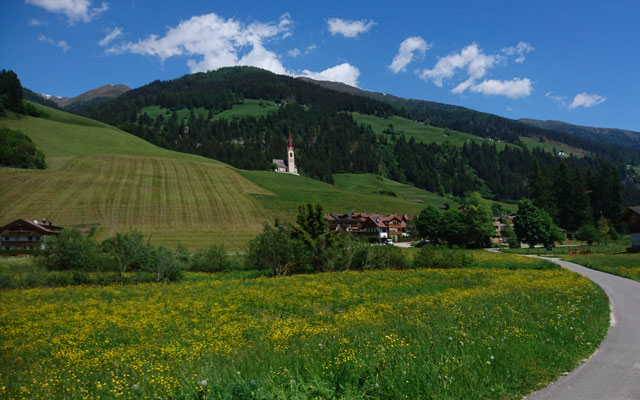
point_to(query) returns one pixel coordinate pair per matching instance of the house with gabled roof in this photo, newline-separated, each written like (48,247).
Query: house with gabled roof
(22,237)
(373,226)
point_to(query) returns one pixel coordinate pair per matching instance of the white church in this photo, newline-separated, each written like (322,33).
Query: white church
(290,167)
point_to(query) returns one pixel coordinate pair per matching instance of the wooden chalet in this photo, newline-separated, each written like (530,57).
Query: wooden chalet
(631,216)
(373,226)
(22,237)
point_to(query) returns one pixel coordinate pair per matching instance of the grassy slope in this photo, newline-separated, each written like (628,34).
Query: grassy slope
(625,265)
(432,134)
(422,133)
(99,174)
(289,191)
(249,107)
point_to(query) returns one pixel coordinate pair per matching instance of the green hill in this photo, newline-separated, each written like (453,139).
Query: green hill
(101,175)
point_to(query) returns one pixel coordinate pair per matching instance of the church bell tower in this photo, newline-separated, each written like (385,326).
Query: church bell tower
(290,157)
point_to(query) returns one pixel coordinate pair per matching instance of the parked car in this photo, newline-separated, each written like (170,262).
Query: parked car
(420,243)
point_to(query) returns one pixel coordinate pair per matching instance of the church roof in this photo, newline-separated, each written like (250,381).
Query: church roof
(279,163)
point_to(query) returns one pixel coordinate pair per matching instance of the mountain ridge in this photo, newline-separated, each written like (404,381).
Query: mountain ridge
(105,92)
(621,137)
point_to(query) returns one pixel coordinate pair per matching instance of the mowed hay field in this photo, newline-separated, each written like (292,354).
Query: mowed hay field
(471,333)
(100,175)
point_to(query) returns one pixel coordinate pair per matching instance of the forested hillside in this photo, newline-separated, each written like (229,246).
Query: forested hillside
(193,114)
(619,137)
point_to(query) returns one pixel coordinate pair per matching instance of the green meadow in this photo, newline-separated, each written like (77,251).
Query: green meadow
(501,329)
(622,264)
(422,133)
(99,175)
(247,107)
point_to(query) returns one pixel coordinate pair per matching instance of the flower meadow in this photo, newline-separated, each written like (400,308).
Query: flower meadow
(446,333)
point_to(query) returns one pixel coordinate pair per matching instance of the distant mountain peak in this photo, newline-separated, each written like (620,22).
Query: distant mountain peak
(108,91)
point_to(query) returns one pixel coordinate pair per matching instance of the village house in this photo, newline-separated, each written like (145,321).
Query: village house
(22,237)
(631,216)
(373,226)
(499,223)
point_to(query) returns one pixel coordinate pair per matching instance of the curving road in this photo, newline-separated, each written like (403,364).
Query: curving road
(613,372)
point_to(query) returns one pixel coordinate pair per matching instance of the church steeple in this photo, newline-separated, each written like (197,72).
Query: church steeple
(291,158)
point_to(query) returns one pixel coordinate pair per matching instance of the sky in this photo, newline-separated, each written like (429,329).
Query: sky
(573,61)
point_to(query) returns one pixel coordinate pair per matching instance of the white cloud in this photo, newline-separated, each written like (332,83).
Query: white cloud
(111,36)
(409,46)
(586,100)
(75,10)
(348,28)
(294,53)
(514,89)
(519,51)
(562,100)
(60,43)
(216,42)
(471,58)
(345,73)
(580,100)
(476,65)
(37,22)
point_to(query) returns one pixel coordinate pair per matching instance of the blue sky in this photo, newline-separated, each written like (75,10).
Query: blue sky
(575,61)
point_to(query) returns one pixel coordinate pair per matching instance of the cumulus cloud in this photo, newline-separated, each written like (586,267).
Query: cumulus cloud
(60,43)
(345,73)
(111,36)
(475,64)
(348,28)
(75,10)
(216,43)
(586,100)
(470,58)
(519,50)
(406,52)
(514,89)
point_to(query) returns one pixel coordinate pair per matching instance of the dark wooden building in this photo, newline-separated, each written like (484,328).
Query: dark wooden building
(22,237)
(631,216)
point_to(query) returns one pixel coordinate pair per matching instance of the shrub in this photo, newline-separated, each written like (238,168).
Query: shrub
(383,257)
(431,256)
(275,250)
(589,234)
(127,252)
(212,259)
(71,250)
(167,265)
(348,253)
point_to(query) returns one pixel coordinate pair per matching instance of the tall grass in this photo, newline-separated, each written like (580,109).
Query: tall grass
(625,265)
(562,250)
(457,333)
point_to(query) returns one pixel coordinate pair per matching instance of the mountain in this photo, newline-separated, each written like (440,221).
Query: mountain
(619,137)
(242,116)
(100,175)
(86,99)
(488,125)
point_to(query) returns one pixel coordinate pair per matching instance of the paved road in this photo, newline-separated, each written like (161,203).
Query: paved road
(613,372)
